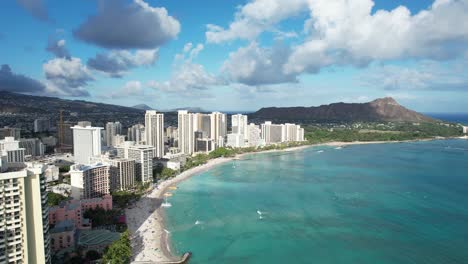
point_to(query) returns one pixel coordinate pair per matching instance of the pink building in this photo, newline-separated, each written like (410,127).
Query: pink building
(73,210)
(62,235)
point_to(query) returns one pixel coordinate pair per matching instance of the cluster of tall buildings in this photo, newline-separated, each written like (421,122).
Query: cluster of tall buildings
(197,132)
(124,161)
(252,135)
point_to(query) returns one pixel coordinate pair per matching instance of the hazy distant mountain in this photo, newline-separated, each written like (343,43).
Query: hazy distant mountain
(143,107)
(21,103)
(385,109)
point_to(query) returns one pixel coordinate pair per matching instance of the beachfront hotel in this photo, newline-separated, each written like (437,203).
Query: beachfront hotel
(239,124)
(89,181)
(143,156)
(186,129)
(24,224)
(218,127)
(154,131)
(277,133)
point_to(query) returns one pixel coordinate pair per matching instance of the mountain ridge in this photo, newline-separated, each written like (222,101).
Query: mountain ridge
(383,109)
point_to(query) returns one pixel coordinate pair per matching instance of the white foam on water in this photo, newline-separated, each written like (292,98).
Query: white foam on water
(338,147)
(198,222)
(320,151)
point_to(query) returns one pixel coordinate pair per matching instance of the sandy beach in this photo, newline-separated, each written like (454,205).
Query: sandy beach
(146,218)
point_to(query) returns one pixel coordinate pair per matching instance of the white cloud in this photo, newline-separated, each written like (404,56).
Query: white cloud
(254,18)
(67,77)
(341,33)
(129,89)
(187,76)
(346,32)
(57,47)
(254,65)
(118,62)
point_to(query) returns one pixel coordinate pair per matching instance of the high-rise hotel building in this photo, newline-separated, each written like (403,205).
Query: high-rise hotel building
(86,143)
(239,124)
(186,129)
(154,131)
(24,223)
(218,127)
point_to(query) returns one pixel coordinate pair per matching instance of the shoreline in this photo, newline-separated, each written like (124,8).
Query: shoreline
(155,244)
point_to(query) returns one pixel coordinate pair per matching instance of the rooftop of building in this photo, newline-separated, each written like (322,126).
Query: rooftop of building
(85,167)
(63,226)
(97,237)
(86,127)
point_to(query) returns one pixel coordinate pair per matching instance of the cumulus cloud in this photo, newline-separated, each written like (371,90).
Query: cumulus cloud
(254,65)
(428,76)
(57,47)
(348,33)
(187,77)
(118,62)
(19,83)
(35,7)
(254,18)
(118,25)
(129,89)
(67,77)
(341,33)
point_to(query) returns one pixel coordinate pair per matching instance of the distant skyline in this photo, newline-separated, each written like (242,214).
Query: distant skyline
(238,55)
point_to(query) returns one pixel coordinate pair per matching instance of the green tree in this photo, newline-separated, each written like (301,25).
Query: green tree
(118,252)
(55,198)
(64,169)
(101,217)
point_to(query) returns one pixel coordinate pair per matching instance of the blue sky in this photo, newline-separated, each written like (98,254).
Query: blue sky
(238,55)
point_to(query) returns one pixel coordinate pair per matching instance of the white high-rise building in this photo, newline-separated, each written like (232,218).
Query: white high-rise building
(11,151)
(112,129)
(293,132)
(136,133)
(86,143)
(254,136)
(154,131)
(24,215)
(235,140)
(143,156)
(89,181)
(239,124)
(272,133)
(204,124)
(186,130)
(218,127)
(122,174)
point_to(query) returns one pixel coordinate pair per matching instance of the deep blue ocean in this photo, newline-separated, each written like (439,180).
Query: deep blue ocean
(382,203)
(451,117)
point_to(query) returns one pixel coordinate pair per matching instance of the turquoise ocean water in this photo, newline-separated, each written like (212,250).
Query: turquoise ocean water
(384,203)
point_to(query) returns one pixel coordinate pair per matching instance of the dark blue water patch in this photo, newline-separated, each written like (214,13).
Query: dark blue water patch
(451,117)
